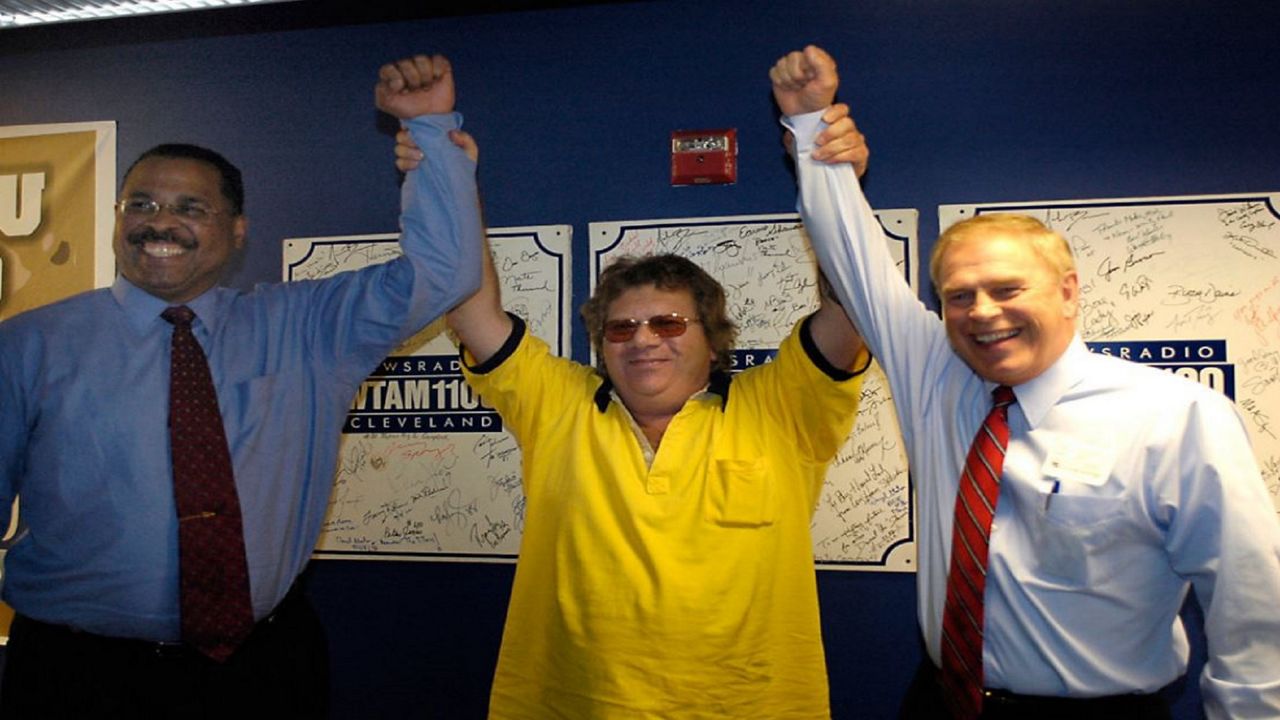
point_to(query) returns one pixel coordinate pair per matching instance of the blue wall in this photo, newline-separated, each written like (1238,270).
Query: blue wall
(962,101)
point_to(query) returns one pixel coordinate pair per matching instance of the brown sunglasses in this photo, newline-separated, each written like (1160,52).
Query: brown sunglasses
(664,326)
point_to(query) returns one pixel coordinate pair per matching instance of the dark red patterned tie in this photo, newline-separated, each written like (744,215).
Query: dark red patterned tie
(962,617)
(217,613)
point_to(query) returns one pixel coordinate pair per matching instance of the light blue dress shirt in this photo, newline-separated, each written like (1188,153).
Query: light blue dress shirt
(1123,486)
(84,406)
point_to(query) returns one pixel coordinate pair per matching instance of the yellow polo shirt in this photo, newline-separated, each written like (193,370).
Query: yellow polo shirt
(681,590)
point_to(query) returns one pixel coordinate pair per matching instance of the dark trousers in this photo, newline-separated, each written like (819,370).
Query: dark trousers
(924,701)
(281,671)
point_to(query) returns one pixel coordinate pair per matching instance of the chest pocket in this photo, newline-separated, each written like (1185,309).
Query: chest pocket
(1076,530)
(740,493)
(250,404)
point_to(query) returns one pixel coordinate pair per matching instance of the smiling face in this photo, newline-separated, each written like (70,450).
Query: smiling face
(171,257)
(1008,312)
(655,375)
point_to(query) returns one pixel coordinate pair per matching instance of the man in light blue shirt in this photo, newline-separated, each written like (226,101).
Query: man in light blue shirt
(84,387)
(1123,487)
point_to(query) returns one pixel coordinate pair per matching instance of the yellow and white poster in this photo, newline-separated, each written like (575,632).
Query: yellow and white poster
(57,187)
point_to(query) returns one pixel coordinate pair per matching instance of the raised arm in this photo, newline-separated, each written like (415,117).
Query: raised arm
(420,91)
(441,231)
(906,338)
(806,81)
(479,321)
(834,334)
(845,235)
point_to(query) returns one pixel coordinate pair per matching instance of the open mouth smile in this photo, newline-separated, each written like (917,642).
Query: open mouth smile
(164,250)
(995,337)
(160,244)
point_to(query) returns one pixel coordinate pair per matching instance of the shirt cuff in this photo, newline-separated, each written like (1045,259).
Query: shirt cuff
(820,361)
(435,124)
(507,350)
(805,127)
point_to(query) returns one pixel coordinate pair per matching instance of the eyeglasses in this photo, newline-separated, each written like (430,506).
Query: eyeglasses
(148,208)
(664,326)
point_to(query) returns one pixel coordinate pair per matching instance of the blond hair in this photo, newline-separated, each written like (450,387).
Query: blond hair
(1049,244)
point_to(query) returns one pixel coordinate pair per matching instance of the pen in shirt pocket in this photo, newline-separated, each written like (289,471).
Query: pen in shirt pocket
(1057,485)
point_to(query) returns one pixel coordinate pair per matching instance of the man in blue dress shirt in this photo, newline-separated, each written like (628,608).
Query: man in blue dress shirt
(1123,487)
(83,437)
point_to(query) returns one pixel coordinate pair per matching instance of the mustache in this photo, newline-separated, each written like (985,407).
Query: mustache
(144,235)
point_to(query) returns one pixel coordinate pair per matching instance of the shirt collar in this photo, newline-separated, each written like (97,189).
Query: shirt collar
(142,309)
(1039,394)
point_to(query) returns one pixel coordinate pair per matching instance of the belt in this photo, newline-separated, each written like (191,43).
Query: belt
(1002,703)
(45,633)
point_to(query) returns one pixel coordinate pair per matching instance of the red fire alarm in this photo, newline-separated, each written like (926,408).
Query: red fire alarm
(704,157)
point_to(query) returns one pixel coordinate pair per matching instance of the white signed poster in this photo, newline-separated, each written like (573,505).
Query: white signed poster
(425,470)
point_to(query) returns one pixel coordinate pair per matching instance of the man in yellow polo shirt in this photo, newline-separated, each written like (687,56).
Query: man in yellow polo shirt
(666,569)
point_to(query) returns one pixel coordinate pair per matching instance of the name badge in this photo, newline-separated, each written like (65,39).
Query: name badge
(1076,461)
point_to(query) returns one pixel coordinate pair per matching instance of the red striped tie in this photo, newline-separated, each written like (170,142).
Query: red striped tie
(213,592)
(962,618)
